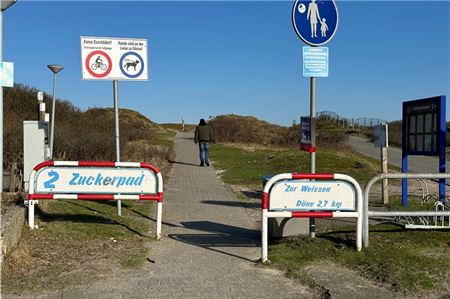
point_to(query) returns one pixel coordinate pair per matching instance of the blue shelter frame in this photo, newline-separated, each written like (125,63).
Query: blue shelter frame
(423,133)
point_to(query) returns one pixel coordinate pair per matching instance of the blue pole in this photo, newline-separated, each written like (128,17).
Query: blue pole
(442,141)
(404,181)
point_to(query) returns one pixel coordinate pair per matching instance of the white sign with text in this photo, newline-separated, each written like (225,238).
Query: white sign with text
(108,58)
(306,195)
(82,180)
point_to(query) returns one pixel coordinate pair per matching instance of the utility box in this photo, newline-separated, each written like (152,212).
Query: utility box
(35,146)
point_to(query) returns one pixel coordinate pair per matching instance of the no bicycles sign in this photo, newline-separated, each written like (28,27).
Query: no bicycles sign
(107,58)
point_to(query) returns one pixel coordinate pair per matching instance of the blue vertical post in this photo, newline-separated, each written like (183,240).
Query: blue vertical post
(441,142)
(404,159)
(404,181)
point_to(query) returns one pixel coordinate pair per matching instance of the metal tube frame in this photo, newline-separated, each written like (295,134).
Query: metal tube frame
(33,198)
(266,214)
(373,180)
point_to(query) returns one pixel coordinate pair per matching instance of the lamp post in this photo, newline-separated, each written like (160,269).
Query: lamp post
(3,6)
(55,68)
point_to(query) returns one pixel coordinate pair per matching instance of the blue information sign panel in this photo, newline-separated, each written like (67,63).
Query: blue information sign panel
(315,62)
(315,21)
(424,129)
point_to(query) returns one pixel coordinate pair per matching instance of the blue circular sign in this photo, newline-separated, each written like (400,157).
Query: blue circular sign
(132,68)
(315,21)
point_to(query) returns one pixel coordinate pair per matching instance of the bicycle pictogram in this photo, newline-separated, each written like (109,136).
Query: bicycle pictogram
(98,64)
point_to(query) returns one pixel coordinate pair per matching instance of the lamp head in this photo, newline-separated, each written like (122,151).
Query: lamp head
(55,68)
(6,3)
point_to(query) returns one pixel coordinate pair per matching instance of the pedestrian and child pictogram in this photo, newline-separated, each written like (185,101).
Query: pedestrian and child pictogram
(315,22)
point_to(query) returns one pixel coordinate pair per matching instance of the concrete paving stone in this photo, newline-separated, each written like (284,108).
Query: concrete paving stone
(210,247)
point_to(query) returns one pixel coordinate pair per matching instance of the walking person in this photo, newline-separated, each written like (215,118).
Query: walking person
(203,136)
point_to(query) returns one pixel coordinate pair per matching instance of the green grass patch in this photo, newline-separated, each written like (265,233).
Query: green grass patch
(408,261)
(77,242)
(404,259)
(246,167)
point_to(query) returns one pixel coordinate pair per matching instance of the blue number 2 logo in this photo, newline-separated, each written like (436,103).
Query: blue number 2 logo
(54,176)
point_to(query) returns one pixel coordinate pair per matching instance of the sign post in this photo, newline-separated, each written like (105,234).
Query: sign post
(315,23)
(107,58)
(380,139)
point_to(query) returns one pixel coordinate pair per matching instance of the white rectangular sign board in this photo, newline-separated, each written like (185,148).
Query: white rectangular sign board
(305,195)
(315,62)
(90,180)
(108,58)
(6,74)
(380,135)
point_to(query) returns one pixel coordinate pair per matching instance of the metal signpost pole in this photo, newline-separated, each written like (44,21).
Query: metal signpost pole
(116,119)
(52,125)
(312,157)
(3,6)
(124,59)
(55,68)
(315,59)
(1,104)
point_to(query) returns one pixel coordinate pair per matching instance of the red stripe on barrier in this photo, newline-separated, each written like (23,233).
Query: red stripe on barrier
(149,166)
(40,196)
(96,164)
(313,176)
(44,164)
(95,196)
(265,201)
(312,214)
(158,197)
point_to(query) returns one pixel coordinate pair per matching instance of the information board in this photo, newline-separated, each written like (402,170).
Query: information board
(315,62)
(108,58)
(422,126)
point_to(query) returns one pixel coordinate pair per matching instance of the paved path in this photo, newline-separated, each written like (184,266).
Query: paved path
(419,164)
(209,250)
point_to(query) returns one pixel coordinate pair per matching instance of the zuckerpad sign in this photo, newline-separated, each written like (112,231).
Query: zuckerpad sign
(95,180)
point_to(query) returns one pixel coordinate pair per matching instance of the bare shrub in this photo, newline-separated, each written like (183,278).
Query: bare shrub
(88,135)
(247,129)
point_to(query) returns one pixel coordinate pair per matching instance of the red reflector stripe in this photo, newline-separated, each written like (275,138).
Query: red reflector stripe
(312,214)
(313,176)
(265,201)
(40,196)
(43,164)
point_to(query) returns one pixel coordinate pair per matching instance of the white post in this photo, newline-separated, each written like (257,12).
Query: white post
(384,170)
(159,220)
(264,245)
(31,213)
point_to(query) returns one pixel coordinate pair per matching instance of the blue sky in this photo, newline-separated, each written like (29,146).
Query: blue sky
(212,58)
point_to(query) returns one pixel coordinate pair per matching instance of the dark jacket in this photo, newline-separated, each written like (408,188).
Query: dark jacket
(203,133)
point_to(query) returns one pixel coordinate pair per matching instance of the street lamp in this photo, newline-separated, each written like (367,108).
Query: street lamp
(3,6)
(55,69)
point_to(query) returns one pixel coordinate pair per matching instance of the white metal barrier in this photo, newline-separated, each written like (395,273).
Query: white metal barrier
(368,214)
(327,212)
(89,181)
